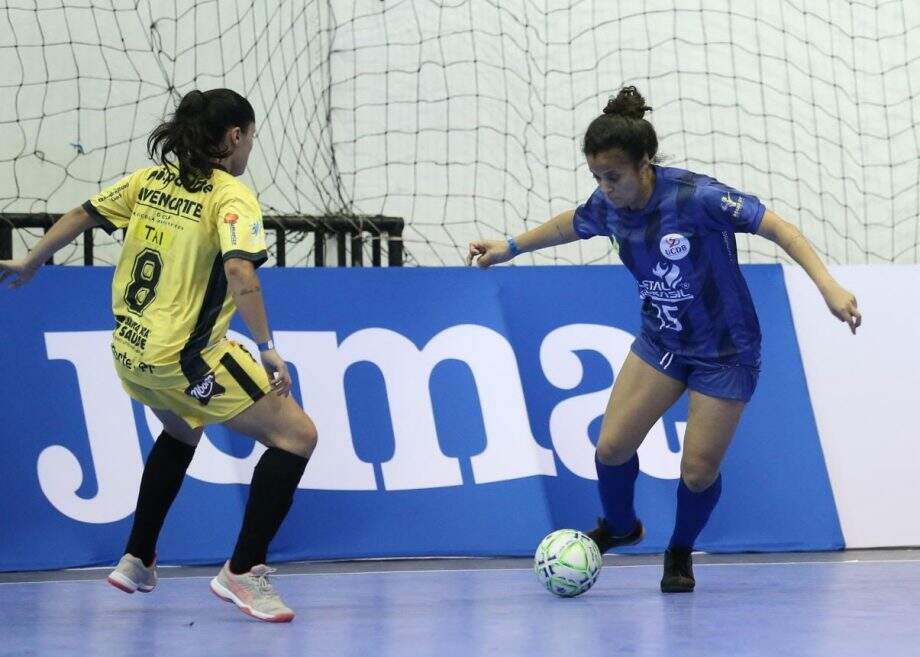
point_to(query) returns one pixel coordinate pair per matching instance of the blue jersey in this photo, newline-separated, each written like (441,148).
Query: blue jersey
(681,249)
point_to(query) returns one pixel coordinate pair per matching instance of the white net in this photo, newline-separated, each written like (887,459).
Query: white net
(465,117)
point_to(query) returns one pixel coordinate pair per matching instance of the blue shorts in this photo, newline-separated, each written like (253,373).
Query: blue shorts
(733,377)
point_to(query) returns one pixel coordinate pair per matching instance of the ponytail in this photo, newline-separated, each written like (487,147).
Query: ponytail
(193,137)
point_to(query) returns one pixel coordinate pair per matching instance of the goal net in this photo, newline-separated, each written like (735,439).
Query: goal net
(464,117)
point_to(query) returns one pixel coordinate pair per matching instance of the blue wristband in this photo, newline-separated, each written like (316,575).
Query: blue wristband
(268,345)
(513,247)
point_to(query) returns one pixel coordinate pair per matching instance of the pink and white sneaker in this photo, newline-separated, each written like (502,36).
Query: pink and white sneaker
(252,593)
(132,575)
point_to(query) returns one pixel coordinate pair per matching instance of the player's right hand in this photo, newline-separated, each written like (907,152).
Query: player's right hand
(485,253)
(20,268)
(277,371)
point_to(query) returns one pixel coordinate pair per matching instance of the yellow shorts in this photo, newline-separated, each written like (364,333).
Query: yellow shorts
(235,383)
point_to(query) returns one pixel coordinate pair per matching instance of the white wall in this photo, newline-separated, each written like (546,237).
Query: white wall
(465,117)
(865,391)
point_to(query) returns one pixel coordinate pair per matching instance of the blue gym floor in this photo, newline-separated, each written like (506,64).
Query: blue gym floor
(840,604)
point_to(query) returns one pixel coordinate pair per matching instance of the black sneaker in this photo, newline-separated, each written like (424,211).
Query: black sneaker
(605,540)
(678,571)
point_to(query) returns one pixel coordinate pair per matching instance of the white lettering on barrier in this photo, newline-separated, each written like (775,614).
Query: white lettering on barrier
(405,371)
(569,420)
(321,373)
(511,450)
(113,442)
(211,464)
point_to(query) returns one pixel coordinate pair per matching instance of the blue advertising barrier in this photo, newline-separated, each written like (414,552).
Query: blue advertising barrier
(456,410)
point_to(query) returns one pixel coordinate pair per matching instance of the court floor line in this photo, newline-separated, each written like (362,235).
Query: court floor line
(472,570)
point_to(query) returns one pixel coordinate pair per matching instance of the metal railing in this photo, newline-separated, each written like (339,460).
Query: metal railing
(384,234)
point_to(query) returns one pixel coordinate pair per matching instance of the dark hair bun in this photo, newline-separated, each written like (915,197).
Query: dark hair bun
(628,103)
(192,104)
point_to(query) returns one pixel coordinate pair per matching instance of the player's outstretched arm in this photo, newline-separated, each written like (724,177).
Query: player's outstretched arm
(841,302)
(243,282)
(556,231)
(64,231)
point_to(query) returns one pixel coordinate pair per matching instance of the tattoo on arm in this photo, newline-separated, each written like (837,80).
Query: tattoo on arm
(249,290)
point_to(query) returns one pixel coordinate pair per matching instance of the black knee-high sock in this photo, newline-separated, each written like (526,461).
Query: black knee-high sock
(163,475)
(270,496)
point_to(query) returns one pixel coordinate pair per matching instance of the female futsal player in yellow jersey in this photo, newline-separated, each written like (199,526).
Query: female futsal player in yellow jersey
(193,240)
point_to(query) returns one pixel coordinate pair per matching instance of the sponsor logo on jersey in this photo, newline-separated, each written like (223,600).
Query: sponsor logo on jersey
(728,242)
(733,205)
(167,176)
(231,219)
(674,246)
(179,206)
(131,332)
(205,389)
(111,194)
(670,285)
(126,361)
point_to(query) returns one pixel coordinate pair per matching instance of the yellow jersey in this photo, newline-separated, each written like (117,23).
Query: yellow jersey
(169,293)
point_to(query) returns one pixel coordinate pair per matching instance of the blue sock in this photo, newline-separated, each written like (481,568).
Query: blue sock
(693,511)
(616,484)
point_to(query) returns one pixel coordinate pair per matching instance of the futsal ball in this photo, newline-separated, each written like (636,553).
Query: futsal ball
(567,563)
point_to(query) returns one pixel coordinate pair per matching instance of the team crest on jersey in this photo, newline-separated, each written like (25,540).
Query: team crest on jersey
(674,246)
(205,389)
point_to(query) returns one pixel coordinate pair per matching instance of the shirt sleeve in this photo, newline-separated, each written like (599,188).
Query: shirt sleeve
(239,225)
(112,207)
(591,217)
(725,208)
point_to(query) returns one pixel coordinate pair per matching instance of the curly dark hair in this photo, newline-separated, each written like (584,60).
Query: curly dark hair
(623,126)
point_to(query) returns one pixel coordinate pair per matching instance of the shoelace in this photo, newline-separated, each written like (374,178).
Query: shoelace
(262,582)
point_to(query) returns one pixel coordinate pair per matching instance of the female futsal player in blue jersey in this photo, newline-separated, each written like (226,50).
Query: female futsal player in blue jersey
(675,233)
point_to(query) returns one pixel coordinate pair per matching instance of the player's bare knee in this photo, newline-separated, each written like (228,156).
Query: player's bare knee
(698,474)
(306,438)
(610,452)
(298,437)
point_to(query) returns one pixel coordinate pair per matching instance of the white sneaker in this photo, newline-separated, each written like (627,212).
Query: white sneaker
(132,575)
(252,593)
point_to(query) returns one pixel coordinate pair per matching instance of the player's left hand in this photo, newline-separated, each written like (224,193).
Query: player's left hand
(842,304)
(20,268)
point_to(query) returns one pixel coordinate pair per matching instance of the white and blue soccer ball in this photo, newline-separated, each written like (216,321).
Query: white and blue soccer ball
(567,562)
